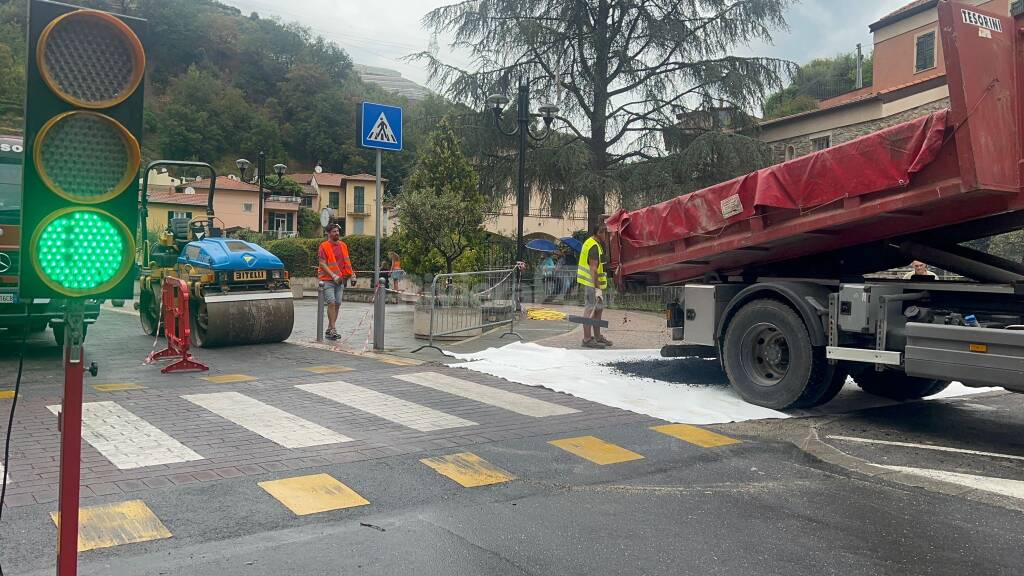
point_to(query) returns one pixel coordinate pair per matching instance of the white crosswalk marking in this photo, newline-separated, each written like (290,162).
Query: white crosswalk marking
(2,472)
(486,394)
(127,440)
(272,423)
(388,407)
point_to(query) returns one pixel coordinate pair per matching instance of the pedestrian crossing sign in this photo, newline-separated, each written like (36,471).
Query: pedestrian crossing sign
(381,126)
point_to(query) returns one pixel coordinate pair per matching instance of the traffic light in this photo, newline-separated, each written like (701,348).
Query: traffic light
(83,124)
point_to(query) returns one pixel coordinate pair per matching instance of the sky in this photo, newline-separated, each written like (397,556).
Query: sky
(381,32)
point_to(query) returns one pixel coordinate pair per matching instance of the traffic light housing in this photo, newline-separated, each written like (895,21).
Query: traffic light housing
(83,126)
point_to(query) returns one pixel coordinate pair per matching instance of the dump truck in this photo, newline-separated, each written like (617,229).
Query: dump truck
(239,293)
(776,270)
(17,314)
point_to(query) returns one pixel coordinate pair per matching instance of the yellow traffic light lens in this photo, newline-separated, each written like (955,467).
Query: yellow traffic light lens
(79,251)
(90,59)
(86,157)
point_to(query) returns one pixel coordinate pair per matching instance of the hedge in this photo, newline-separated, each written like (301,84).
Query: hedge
(299,254)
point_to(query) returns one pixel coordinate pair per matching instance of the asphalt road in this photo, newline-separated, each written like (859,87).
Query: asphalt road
(807,495)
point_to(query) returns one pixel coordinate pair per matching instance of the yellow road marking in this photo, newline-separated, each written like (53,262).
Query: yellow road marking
(117,387)
(116,524)
(694,435)
(468,469)
(333,369)
(6,394)
(596,450)
(311,494)
(229,378)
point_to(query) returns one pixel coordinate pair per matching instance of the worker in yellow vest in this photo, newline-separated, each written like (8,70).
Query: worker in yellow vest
(590,274)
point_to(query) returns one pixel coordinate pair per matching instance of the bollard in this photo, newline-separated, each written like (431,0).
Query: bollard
(319,312)
(380,297)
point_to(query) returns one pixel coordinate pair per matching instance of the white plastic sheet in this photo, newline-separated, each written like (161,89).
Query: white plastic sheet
(585,374)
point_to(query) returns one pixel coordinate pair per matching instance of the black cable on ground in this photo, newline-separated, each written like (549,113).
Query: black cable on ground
(10,423)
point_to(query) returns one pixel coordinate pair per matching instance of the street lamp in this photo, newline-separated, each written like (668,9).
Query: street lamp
(244,166)
(497,103)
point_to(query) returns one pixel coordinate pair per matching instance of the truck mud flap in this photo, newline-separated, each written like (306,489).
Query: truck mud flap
(974,356)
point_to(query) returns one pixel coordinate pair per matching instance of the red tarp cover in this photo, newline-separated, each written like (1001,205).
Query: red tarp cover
(872,163)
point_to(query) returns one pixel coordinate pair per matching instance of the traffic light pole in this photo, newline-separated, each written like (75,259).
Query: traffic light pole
(69,422)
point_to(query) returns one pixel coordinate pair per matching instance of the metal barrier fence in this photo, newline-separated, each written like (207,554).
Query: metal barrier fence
(468,303)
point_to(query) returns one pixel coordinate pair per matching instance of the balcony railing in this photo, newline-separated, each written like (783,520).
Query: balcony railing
(291,199)
(359,209)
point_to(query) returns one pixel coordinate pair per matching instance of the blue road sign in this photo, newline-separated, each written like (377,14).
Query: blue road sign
(382,126)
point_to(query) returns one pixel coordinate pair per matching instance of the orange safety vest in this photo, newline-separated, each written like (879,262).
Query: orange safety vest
(343,268)
(396,264)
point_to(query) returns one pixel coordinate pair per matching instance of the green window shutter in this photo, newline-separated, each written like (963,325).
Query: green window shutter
(925,53)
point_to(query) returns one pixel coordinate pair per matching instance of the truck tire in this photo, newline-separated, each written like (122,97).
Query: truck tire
(149,314)
(770,361)
(897,385)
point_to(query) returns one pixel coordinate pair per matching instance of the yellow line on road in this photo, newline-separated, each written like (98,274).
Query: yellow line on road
(468,469)
(6,394)
(229,378)
(117,387)
(333,369)
(311,494)
(694,435)
(596,450)
(116,524)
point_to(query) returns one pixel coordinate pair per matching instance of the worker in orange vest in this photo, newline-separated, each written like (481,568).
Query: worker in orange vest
(335,269)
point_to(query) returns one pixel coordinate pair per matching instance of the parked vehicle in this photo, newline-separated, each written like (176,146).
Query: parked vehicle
(772,265)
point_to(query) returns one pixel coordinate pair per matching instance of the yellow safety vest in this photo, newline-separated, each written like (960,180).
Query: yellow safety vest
(583,266)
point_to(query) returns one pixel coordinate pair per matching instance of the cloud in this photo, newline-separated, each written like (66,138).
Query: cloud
(382,32)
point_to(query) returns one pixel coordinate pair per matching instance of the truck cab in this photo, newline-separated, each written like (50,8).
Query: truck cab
(15,313)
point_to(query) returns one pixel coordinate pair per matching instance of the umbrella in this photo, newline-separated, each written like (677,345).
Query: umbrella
(542,245)
(573,243)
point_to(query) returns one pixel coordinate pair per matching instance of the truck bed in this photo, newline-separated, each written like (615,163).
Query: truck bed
(946,169)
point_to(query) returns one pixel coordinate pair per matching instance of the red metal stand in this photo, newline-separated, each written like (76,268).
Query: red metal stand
(69,422)
(176,328)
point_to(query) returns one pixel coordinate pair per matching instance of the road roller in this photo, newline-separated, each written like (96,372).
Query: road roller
(239,293)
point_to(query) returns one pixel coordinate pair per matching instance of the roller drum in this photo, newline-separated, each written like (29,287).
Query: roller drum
(245,322)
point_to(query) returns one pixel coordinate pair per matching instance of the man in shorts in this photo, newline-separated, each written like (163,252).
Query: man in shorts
(591,276)
(335,269)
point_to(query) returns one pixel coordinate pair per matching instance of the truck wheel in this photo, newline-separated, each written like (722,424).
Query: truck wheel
(58,334)
(770,360)
(897,385)
(149,314)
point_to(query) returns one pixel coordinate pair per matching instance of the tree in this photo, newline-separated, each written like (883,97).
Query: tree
(624,67)
(441,208)
(819,79)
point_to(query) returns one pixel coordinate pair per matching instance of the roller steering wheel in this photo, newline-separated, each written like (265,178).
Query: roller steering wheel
(200,224)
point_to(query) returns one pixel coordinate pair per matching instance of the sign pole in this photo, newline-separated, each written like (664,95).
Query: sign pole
(69,422)
(380,295)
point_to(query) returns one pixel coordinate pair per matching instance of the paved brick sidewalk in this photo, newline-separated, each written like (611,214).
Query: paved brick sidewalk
(146,413)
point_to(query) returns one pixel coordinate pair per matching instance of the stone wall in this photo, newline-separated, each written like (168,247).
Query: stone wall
(802,144)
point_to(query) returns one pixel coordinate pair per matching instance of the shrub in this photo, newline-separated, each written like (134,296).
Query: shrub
(297,254)
(360,250)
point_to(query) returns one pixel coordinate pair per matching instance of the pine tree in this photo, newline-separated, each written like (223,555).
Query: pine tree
(620,69)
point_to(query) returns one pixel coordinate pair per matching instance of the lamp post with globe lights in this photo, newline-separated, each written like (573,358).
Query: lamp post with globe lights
(260,178)
(547,112)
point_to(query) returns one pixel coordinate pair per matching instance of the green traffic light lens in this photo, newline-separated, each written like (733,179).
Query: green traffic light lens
(82,251)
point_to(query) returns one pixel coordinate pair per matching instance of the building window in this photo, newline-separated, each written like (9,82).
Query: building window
(247,207)
(357,226)
(172,214)
(335,200)
(790,153)
(307,201)
(821,143)
(925,52)
(359,202)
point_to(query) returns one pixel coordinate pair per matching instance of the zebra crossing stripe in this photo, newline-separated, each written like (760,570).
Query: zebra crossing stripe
(385,406)
(494,396)
(127,440)
(272,423)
